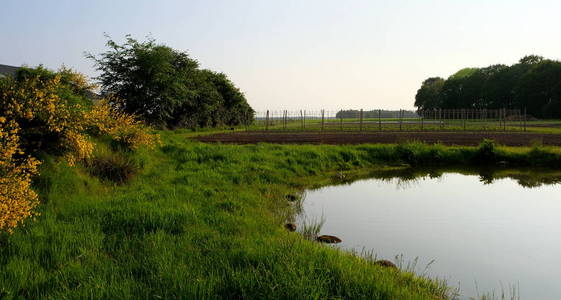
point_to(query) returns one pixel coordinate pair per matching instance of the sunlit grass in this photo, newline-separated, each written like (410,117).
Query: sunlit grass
(206,221)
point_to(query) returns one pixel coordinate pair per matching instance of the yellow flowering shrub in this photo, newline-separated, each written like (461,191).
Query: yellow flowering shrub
(78,147)
(46,120)
(41,111)
(17,199)
(124,128)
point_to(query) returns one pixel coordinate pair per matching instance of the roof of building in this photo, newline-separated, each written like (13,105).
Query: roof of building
(7,70)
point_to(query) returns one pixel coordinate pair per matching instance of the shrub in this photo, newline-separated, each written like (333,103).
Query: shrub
(47,112)
(113,167)
(487,152)
(47,122)
(74,87)
(17,199)
(123,128)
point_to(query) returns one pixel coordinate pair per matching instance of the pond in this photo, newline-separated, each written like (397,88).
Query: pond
(484,231)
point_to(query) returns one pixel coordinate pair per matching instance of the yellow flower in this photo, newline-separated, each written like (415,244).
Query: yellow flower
(38,102)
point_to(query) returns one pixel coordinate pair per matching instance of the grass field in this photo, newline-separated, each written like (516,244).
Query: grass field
(206,221)
(406,124)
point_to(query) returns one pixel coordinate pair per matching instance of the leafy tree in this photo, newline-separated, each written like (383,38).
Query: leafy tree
(235,110)
(459,87)
(531,59)
(428,96)
(165,86)
(540,89)
(534,83)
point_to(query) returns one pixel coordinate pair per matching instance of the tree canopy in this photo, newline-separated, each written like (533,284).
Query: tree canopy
(534,83)
(167,88)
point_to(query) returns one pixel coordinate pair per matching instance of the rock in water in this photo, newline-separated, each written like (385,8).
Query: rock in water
(328,239)
(385,263)
(290,226)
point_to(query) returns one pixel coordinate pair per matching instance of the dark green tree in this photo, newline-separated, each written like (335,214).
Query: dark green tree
(540,89)
(534,83)
(164,86)
(428,96)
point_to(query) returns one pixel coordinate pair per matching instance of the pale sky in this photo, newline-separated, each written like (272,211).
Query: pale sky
(295,54)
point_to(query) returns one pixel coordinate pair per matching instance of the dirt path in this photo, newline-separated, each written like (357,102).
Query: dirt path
(448,138)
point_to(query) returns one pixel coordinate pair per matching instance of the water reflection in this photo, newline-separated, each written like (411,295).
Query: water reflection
(407,177)
(498,227)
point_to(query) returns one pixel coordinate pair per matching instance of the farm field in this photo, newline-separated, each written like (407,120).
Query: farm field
(447,138)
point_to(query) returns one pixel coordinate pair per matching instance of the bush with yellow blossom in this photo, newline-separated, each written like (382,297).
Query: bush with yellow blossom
(17,199)
(47,121)
(126,129)
(47,112)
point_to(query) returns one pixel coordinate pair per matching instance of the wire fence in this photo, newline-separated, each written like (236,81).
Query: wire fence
(398,120)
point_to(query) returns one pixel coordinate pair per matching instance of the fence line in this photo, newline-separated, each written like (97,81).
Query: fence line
(398,120)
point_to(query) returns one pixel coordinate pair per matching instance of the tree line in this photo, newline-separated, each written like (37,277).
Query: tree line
(532,84)
(166,87)
(370,114)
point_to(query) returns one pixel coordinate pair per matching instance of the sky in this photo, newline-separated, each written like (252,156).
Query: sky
(294,54)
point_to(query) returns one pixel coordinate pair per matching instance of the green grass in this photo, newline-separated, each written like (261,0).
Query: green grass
(206,221)
(409,124)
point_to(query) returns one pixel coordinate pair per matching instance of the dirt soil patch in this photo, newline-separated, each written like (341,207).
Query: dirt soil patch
(342,138)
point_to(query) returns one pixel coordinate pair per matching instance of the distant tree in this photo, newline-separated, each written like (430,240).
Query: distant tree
(531,59)
(372,114)
(428,96)
(540,89)
(534,83)
(498,88)
(458,88)
(165,86)
(463,73)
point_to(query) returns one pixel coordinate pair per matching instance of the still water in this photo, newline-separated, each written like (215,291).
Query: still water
(484,234)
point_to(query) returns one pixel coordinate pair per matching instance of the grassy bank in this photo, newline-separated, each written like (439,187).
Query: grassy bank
(195,220)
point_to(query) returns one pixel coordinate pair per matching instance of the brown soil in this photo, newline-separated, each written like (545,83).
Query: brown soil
(448,138)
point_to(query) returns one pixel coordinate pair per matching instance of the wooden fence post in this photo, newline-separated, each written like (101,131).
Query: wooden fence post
(322,118)
(520,120)
(524,118)
(267,121)
(498,116)
(379,119)
(422,117)
(504,118)
(400,119)
(360,117)
(464,118)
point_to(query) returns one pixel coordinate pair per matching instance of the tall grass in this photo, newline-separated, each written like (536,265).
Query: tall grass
(310,229)
(202,221)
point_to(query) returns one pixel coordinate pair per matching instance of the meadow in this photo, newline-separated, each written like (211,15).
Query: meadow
(315,123)
(192,220)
